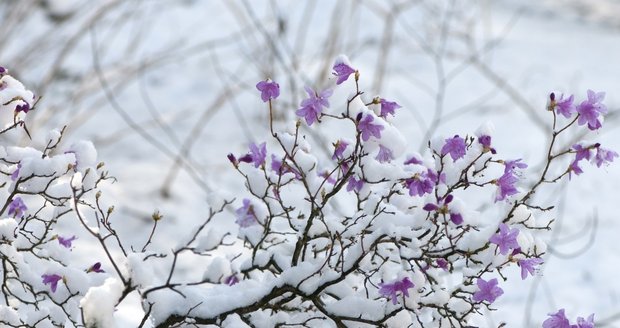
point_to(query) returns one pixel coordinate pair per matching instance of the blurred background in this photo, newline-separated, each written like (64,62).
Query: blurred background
(166,88)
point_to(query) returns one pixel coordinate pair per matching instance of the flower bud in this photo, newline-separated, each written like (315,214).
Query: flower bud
(156,216)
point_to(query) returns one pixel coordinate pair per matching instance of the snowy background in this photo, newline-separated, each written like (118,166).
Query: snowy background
(165,89)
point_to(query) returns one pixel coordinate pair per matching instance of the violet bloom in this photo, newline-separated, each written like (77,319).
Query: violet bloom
(282,167)
(505,239)
(435,177)
(390,290)
(557,320)
(604,156)
(413,160)
(268,90)
(66,242)
(312,106)
(231,280)
(581,152)
(485,141)
(355,184)
(419,185)
(368,129)
(276,164)
(52,280)
(564,106)
(454,146)
(442,263)
(583,323)
(442,208)
(339,147)
(342,71)
(95,268)
(487,290)
(510,166)
(527,266)
(3,71)
(590,109)
(506,184)
(456,218)
(384,155)
(388,107)
(17,208)
(256,155)
(15,173)
(245,215)
(574,168)
(327,176)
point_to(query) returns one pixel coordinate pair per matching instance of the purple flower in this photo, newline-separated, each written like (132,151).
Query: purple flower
(95,268)
(583,323)
(355,184)
(3,71)
(368,129)
(454,146)
(456,218)
(231,280)
(419,185)
(487,290)
(510,166)
(557,320)
(15,173)
(268,90)
(485,141)
(590,109)
(25,107)
(17,208)
(442,208)
(563,106)
(327,176)
(256,155)
(390,290)
(312,106)
(339,147)
(505,239)
(245,214)
(384,155)
(442,263)
(388,107)
(527,265)
(342,71)
(52,280)
(413,160)
(276,164)
(66,242)
(435,177)
(506,184)
(282,167)
(574,168)
(603,156)
(581,152)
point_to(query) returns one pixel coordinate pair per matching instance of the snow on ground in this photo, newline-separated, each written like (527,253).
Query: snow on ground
(547,46)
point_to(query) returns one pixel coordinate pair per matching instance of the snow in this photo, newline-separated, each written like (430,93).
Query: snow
(99,302)
(544,50)
(8,229)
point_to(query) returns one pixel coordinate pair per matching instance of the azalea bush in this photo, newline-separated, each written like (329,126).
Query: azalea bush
(363,234)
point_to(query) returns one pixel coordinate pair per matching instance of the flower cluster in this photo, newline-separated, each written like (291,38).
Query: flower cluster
(372,224)
(42,187)
(559,320)
(325,224)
